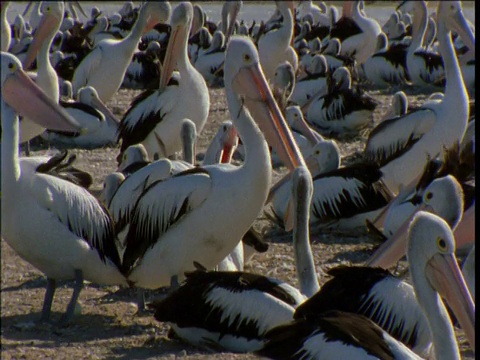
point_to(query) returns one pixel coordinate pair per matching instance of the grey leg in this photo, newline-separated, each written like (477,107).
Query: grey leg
(76,293)
(47,302)
(141,300)
(174,284)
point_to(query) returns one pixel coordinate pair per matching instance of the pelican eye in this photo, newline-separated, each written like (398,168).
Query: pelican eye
(11,66)
(429,196)
(247,57)
(441,243)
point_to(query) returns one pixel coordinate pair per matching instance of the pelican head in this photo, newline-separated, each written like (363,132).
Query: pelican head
(132,154)
(17,86)
(49,25)
(451,14)
(180,23)
(431,254)
(443,197)
(244,75)
(324,157)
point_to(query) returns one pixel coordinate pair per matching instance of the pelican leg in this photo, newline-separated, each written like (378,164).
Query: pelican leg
(48,300)
(76,293)
(140,300)
(174,284)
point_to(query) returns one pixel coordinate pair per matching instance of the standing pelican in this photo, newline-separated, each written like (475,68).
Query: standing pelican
(154,117)
(275,46)
(400,145)
(188,217)
(5,26)
(71,234)
(47,79)
(105,66)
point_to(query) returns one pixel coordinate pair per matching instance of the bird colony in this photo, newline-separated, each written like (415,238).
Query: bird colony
(176,229)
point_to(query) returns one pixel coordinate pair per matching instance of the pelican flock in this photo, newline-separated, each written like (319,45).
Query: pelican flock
(288,180)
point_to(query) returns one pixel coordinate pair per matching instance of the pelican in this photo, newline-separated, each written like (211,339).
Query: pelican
(311,84)
(230,12)
(144,69)
(105,66)
(99,124)
(442,197)
(46,77)
(339,108)
(76,239)
(339,335)
(400,145)
(154,116)
(233,310)
(343,196)
(388,65)
(425,68)
(5,26)
(360,46)
(275,46)
(319,14)
(189,209)
(222,146)
(209,62)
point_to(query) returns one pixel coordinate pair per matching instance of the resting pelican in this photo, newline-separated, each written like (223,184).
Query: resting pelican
(400,145)
(71,234)
(189,211)
(105,66)
(361,45)
(99,124)
(339,335)
(154,116)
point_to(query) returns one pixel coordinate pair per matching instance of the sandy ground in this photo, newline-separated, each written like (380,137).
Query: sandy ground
(108,327)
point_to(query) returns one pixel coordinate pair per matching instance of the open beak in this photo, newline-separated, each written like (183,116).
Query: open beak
(445,276)
(234,10)
(229,146)
(175,44)
(251,83)
(47,25)
(28,100)
(392,250)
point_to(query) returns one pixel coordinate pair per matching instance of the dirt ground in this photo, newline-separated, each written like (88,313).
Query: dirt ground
(108,327)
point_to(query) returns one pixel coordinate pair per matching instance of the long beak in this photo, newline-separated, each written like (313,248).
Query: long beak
(445,276)
(46,27)
(76,4)
(251,82)
(27,9)
(465,230)
(461,27)
(173,49)
(306,131)
(39,107)
(97,103)
(392,250)
(234,10)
